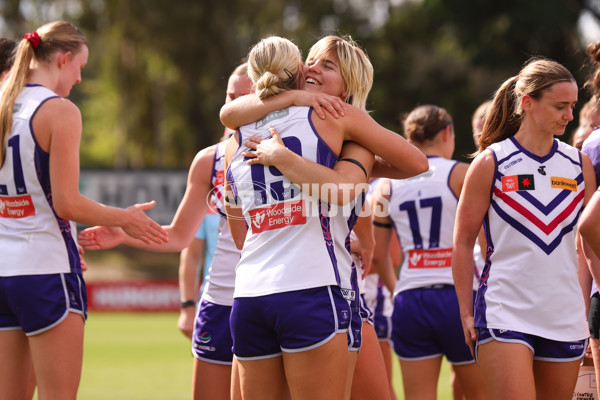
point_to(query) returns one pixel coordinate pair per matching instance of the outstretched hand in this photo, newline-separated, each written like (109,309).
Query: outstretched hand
(140,226)
(101,237)
(266,151)
(319,102)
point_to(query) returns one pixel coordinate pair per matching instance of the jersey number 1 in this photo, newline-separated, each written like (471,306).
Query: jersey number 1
(18,176)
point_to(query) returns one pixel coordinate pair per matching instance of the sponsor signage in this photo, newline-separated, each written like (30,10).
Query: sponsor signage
(160,295)
(16,207)
(277,215)
(517,182)
(433,258)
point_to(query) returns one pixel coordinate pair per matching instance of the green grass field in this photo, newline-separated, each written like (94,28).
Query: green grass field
(130,356)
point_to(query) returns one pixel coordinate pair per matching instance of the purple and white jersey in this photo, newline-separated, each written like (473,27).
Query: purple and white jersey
(423,210)
(288,245)
(378,296)
(591,147)
(221,275)
(343,219)
(33,238)
(220,281)
(530,281)
(217,177)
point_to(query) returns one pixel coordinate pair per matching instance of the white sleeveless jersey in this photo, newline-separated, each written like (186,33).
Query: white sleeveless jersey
(422,211)
(33,239)
(530,281)
(288,245)
(343,219)
(220,281)
(377,296)
(217,177)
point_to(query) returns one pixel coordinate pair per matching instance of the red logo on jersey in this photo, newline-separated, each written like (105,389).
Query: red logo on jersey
(219,178)
(438,258)
(16,207)
(517,182)
(277,216)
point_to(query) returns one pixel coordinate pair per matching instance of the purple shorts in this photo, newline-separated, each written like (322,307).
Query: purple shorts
(300,320)
(365,312)
(383,327)
(543,349)
(426,323)
(211,340)
(355,331)
(36,303)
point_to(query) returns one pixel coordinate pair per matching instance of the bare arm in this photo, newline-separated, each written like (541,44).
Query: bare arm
(185,224)
(383,231)
(472,207)
(249,108)
(363,229)
(588,222)
(339,185)
(62,136)
(189,261)
(584,270)
(383,169)
(457,178)
(235,217)
(359,127)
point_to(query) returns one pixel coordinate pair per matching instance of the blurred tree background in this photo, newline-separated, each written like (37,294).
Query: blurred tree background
(158,69)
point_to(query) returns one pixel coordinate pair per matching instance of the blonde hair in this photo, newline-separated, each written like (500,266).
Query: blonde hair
(54,37)
(505,113)
(273,65)
(355,66)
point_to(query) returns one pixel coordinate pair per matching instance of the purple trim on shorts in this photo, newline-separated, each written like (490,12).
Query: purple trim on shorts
(211,338)
(543,349)
(37,303)
(295,321)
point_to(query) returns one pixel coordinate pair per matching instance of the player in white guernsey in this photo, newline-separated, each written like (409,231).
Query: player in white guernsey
(43,300)
(426,321)
(589,121)
(252,290)
(528,189)
(326,74)
(211,338)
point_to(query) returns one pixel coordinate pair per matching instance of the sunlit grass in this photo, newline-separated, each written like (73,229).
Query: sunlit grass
(131,356)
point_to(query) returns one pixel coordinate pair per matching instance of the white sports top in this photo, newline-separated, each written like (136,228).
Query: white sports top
(221,275)
(33,239)
(530,281)
(422,211)
(289,244)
